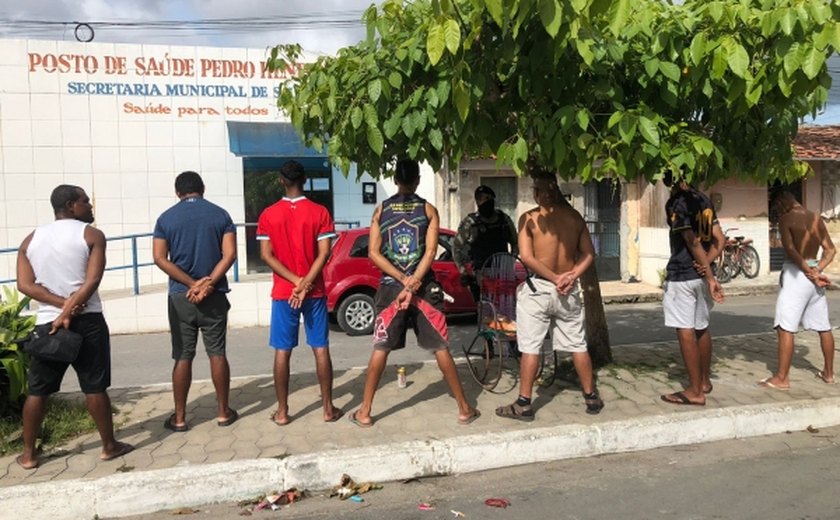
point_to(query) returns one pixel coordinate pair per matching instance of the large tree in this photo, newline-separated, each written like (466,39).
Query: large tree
(587,88)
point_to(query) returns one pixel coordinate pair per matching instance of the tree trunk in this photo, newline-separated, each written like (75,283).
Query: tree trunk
(597,334)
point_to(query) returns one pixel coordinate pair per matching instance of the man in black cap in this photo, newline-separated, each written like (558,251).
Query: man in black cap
(480,235)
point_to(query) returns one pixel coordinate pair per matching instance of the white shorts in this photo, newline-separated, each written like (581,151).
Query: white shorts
(800,302)
(537,312)
(687,304)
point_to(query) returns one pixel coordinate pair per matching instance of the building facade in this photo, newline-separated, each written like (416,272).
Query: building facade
(122,120)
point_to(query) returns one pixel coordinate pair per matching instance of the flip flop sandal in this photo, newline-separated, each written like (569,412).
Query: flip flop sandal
(170,425)
(234,415)
(469,420)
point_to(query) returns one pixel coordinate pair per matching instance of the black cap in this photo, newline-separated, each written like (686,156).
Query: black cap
(484,190)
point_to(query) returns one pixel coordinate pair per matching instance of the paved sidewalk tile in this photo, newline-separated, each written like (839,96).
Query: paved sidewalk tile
(424,410)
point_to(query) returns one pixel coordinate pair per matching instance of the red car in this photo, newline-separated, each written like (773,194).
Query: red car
(351,280)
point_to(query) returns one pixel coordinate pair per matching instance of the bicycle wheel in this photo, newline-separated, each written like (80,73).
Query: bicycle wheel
(727,268)
(750,262)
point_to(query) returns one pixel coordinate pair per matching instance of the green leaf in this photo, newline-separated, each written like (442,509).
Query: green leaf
(551,16)
(584,139)
(461,97)
(787,21)
(614,119)
(494,7)
(418,120)
(813,62)
(793,59)
(579,6)
(585,50)
(436,138)
(408,127)
(698,48)
(753,94)
(670,70)
(371,118)
(649,131)
(395,79)
(375,140)
(738,60)
(820,11)
(652,67)
(520,155)
(564,116)
(627,128)
(375,90)
(719,62)
(435,43)
(582,117)
(392,125)
(356,117)
(452,35)
(559,147)
(619,15)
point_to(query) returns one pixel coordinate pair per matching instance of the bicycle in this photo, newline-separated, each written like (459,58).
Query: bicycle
(738,256)
(496,341)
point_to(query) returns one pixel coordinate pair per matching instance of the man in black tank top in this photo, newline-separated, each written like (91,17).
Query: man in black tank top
(403,242)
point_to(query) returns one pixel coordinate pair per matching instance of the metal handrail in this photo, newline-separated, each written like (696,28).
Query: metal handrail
(135,264)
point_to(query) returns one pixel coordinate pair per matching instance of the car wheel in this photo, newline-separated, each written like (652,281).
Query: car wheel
(356,314)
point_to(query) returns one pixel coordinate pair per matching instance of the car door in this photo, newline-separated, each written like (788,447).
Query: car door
(447,275)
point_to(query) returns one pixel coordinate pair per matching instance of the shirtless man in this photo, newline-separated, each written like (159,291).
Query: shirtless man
(802,293)
(555,245)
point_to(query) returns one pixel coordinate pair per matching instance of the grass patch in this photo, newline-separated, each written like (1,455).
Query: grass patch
(65,419)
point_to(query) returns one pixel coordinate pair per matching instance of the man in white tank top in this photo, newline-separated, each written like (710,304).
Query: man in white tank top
(60,266)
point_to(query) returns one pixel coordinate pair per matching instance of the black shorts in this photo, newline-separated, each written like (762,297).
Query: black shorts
(93,366)
(425,315)
(186,319)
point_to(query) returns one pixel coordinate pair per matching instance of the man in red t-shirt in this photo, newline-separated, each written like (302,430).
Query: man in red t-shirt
(295,238)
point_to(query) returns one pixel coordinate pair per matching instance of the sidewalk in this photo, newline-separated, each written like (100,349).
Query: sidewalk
(416,433)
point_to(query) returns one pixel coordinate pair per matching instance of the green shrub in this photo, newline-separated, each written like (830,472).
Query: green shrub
(14,363)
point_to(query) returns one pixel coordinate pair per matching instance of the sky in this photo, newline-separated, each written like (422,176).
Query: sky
(316,27)
(320,26)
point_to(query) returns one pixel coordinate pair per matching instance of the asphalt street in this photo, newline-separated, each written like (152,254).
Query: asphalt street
(779,477)
(144,359)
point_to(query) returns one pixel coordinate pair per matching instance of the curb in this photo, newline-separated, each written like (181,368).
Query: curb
(182,486)
(729,290)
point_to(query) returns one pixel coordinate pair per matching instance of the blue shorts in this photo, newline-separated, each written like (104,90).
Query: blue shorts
(285,324)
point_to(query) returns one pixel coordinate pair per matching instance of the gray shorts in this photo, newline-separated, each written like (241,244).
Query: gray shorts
(186,319)
(544,310)
(687,304)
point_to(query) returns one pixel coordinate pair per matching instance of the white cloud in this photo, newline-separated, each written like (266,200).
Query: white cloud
(316,37)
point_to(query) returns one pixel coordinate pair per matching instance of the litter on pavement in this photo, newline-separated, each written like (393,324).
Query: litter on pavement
(348,488)
(497,502)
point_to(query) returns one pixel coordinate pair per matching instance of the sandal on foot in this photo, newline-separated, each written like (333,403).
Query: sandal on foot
(821,375)
(594,403)
(515,411)
(766,383)
(170,425)
(469,420)
(680,399)
(123,448)
(27,467)
(357,422)
(234,415)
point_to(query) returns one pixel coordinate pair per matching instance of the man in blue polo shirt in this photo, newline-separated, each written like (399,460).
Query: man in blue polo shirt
(195,244)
